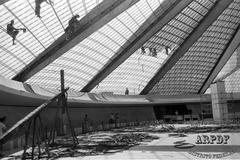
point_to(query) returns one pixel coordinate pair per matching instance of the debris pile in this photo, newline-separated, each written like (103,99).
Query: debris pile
(95,144)
(98,144)
(170,128)
(117,140)
(208,129)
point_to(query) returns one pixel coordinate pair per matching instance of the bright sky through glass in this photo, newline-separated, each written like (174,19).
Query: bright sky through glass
(85,60)
(40,32)
(90,56)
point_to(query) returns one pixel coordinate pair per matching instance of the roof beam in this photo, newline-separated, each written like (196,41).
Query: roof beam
(203,25)
(137,40)
(227,53)
(94,20)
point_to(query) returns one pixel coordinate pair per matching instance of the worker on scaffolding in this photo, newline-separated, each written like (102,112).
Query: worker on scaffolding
(72,26)
(38,6)
(13,32)
(126,91)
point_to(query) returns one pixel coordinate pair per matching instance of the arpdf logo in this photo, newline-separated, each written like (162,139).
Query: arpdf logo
(208,146)
(212,139)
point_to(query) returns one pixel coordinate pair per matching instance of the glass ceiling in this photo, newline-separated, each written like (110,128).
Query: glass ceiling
(135,75)
(189,73)
(231,73)
(232,82)
(85,60)
(230,67)
(40,32)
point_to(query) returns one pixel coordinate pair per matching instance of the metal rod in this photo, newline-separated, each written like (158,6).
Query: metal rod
(62,90)
(75,140)
(7,135)
(65,108)
(26,140)
(44,135)
(33,139)
(39,142)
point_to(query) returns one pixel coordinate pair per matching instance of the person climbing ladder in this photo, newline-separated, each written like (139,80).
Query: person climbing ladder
(13,32)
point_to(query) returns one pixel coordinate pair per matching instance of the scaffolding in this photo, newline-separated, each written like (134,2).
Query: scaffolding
(35,130)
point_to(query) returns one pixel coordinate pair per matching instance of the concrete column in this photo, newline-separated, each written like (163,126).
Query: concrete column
(219,102)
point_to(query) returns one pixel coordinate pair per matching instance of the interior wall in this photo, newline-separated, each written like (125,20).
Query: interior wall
(169,109)
(97,114)
(183,110)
